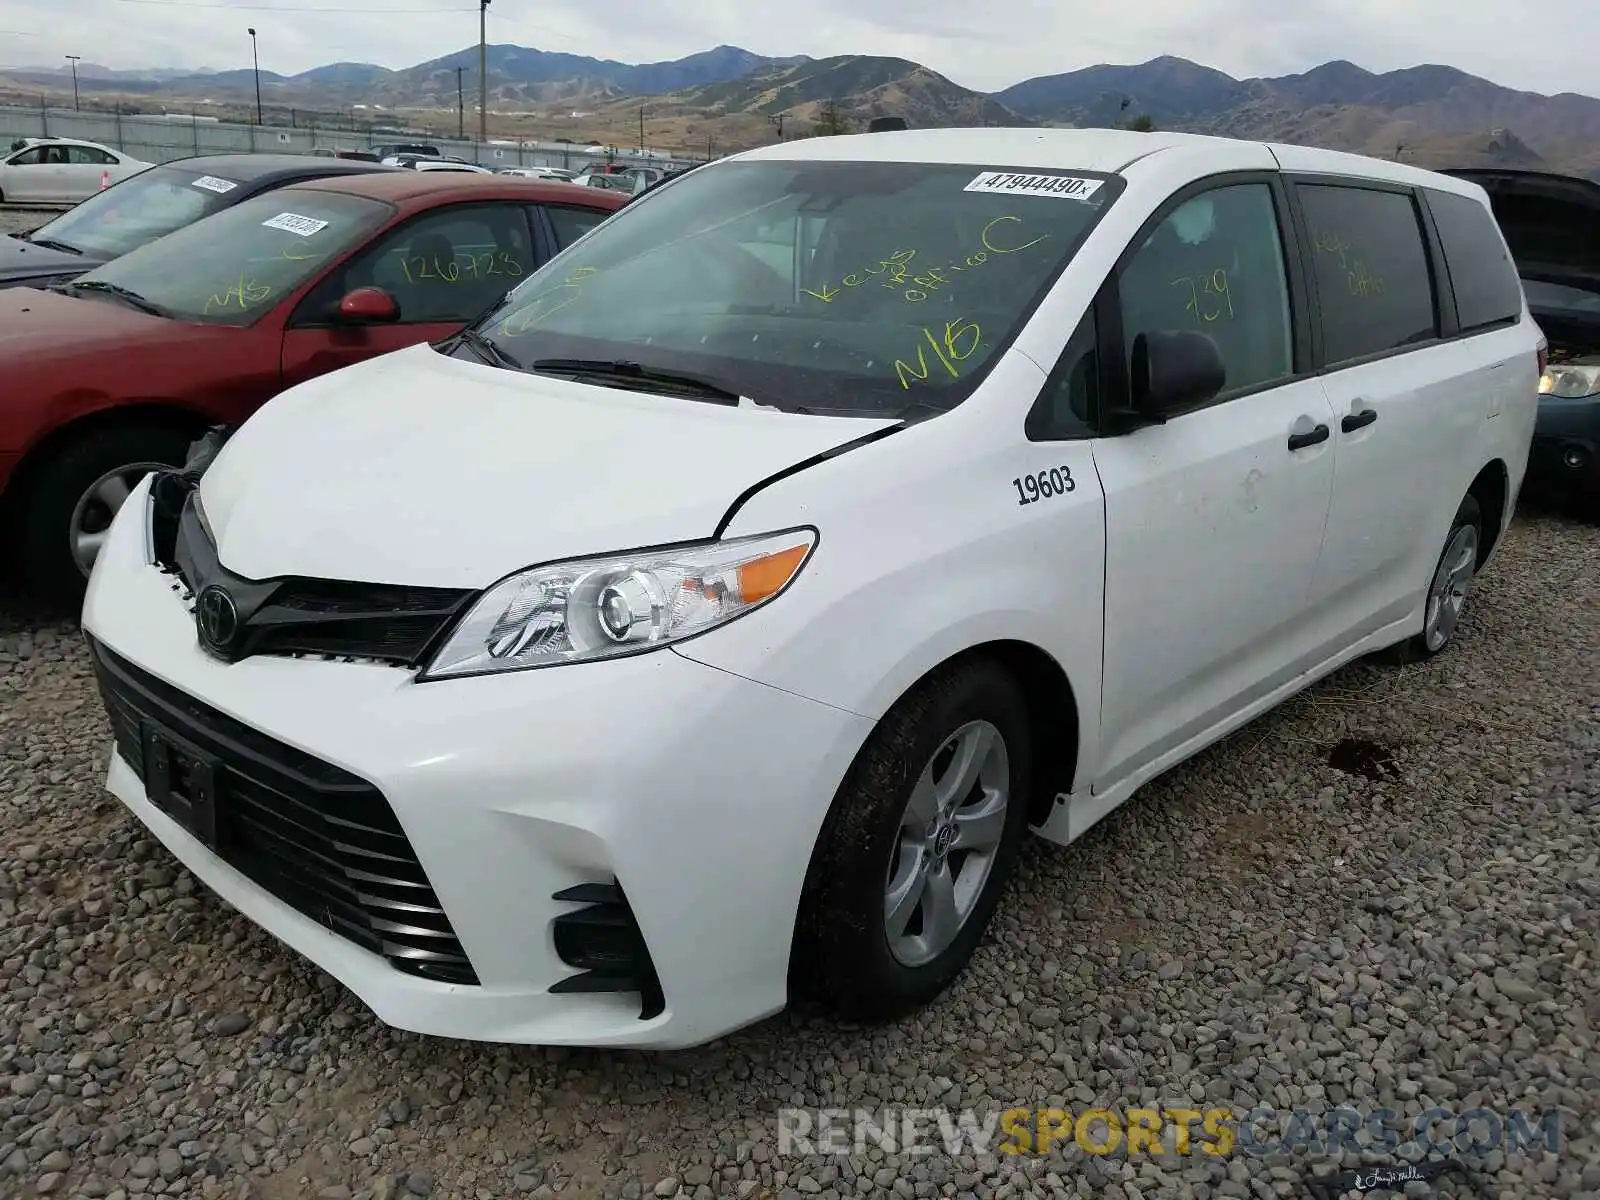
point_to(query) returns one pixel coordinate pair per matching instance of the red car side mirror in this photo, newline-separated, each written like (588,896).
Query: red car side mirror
(368,306)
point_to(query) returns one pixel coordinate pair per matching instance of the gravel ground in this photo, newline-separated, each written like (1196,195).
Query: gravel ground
(1260,927)
(15,219)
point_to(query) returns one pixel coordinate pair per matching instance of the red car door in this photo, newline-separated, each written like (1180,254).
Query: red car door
(442,267)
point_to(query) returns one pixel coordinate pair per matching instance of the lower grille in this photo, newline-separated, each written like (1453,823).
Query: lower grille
(604,942)
(322,840)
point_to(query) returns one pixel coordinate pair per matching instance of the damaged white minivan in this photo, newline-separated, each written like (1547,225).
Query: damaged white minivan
(708,625)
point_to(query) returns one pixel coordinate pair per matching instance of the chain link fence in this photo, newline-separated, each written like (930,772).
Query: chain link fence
(166,137)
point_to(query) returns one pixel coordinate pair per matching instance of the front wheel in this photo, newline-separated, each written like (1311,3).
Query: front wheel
(917,847)
(72,498)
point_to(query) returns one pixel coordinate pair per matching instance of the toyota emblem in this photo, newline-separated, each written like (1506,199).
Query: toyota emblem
(217,616)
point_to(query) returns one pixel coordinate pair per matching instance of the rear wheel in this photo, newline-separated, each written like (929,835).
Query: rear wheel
(1448,586)
(71,499)
(917,847)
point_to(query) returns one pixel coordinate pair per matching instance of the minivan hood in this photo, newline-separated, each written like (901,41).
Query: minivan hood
(21,260)
(419,468)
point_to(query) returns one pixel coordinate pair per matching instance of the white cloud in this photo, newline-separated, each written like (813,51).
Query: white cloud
(1547,48)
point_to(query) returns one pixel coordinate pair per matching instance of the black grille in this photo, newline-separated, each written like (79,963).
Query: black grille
(322,840)
(294,615)
(603,940)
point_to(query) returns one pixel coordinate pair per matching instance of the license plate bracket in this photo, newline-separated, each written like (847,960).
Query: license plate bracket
(181,780)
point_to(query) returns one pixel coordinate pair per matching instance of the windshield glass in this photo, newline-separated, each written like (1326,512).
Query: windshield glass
(139,209)
(1555,296)
(236,264)
(829,286)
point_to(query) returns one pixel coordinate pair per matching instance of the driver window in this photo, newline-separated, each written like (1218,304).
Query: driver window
(447,265)
(1216,266)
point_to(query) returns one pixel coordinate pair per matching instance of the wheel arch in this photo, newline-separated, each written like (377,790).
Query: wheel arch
(162,414)
(1491,488)
(1054,716)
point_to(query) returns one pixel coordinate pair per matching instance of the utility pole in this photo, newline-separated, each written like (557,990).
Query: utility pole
(256,61)
(461,108)
(74,58)
(483,70)
(778,120)
(641,130)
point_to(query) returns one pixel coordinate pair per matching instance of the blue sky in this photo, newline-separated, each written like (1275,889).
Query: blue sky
(1548,47)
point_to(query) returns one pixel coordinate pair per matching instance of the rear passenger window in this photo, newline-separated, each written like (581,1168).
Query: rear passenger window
(1482,274)
(571,224)
(1371,271)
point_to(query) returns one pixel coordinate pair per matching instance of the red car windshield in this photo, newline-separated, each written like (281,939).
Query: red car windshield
(231,267)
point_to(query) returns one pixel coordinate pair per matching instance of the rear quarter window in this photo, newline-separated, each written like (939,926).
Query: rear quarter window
(1370,266)
(1482,275)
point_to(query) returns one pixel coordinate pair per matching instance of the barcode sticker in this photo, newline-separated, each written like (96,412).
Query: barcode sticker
(296,224)
(212,184)
(1011,183)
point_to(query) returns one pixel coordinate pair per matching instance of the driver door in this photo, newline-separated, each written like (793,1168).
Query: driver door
(27,176)
(443,268)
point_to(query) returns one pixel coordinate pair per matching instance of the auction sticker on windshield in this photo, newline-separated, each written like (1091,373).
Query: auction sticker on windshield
(296,224)
(1012,184)
(212,184)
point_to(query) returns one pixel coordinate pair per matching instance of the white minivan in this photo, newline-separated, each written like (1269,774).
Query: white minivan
(708,624)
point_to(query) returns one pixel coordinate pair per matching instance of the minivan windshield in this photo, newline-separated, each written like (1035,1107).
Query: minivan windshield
(234,265)
(843,286)
(139,209)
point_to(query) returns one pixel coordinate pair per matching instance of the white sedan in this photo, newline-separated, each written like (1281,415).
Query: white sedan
(63,171)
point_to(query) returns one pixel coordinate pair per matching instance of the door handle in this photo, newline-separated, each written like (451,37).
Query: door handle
(1299,441)
(1358,420)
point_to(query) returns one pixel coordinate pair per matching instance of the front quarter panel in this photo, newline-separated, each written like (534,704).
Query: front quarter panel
(926,552)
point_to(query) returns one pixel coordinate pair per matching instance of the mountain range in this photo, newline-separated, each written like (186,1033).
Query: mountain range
(1434,115)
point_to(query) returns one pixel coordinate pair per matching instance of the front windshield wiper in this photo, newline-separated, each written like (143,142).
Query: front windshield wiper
(621,369)
(130,298)
(487,350)
(52,244)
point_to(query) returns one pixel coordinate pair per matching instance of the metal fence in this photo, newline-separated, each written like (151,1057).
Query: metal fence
(164,138)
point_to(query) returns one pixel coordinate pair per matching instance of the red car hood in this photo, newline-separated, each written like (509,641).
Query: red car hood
(37,324)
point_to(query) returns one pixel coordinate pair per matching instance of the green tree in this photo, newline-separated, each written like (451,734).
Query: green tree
(831,121)
(1142,124)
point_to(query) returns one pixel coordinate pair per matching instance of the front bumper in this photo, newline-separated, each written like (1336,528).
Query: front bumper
(418,834)
(1565,457)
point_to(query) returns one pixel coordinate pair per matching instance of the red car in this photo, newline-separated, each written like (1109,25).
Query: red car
(116,373)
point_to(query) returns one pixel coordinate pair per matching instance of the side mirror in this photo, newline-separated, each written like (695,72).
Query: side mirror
(368,306)
(1174,370)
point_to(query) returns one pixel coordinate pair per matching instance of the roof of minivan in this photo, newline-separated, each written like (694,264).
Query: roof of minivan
(1108,151)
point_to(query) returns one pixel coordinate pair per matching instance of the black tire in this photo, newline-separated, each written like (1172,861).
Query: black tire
(842,958)
(51,492)
(1416,649)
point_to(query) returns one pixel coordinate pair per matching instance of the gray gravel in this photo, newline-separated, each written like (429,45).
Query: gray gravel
(1257,927)
(14,219)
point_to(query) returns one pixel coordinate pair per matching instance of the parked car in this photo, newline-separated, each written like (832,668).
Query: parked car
(1552,223)
(148,205)
(538,172)
(62,171)
(719,629)
(447,164)
(344,152)
(416,149)
(116,372)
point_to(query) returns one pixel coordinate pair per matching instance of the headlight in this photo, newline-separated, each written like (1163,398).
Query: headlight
(608,607)
(1569,383)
